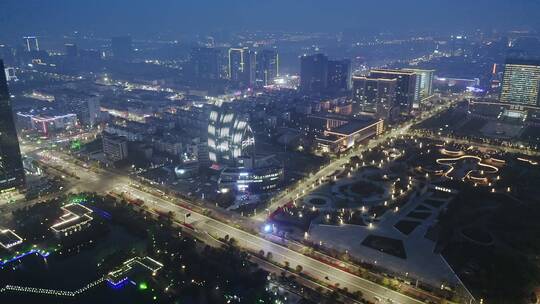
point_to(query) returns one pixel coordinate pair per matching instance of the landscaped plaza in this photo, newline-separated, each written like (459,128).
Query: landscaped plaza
(385,206)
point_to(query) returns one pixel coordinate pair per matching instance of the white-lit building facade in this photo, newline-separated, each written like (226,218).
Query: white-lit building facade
(230,137)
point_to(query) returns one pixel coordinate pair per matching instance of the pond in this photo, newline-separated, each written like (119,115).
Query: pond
(69,273)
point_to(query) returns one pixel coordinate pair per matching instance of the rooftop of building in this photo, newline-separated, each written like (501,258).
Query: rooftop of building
(113,137)
(523,61)
(354,126)
(330,138)
(44,113)
(74,215)
(131,267)
(327,115)
(9,238)
(392,71)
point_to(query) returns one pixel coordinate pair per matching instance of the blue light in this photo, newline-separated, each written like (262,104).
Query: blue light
(99,211)
(475,90)
(20,256)
(267,228)
(117,285)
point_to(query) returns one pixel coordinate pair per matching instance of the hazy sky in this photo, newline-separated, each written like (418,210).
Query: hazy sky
(150,16)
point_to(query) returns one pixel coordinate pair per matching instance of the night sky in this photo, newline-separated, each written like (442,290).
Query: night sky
(188,16)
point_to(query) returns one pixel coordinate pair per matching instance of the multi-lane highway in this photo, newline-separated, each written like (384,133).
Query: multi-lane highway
(312,267)
(104,181)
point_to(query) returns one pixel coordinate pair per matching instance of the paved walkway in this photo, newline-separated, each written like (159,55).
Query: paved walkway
(421,262)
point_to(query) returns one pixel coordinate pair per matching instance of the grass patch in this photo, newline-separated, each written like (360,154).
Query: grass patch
(477,234)
(419,215)
(406,227)
(365,188)
(317,201)
(386,245)
(434,203)
(421,208)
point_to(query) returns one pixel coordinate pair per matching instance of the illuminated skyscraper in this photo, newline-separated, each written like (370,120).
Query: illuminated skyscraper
(424,80)
(459,45)
(314,73)
(374,95)
(406,91)
(31,44)
(242,63)
(339,75)
(267,67)
(11,167)
(521,82)
(230,138)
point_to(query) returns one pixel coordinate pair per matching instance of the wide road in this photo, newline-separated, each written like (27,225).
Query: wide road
(314,268)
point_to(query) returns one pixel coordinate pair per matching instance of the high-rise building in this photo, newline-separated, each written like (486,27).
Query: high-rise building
(241,68)
(122,48)
(230,138)
(10,74)
(11,167)
(339,75)
(459,45)
(86,107)
(7,54)
(71,50)
(521,82)
(375,95)
(115,147)
(406,91)
(267,67)
(206,63)
(31,43)
(424,79)
(314,73)
(91,113)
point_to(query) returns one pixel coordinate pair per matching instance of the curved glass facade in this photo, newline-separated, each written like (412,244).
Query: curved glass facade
(230,137)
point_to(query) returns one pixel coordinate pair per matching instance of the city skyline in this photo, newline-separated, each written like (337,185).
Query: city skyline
(121,17)
(278,152)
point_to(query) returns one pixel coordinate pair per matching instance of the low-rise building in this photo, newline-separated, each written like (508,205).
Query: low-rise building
(254,180)
(350,134)
(46,123)
(75,218)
